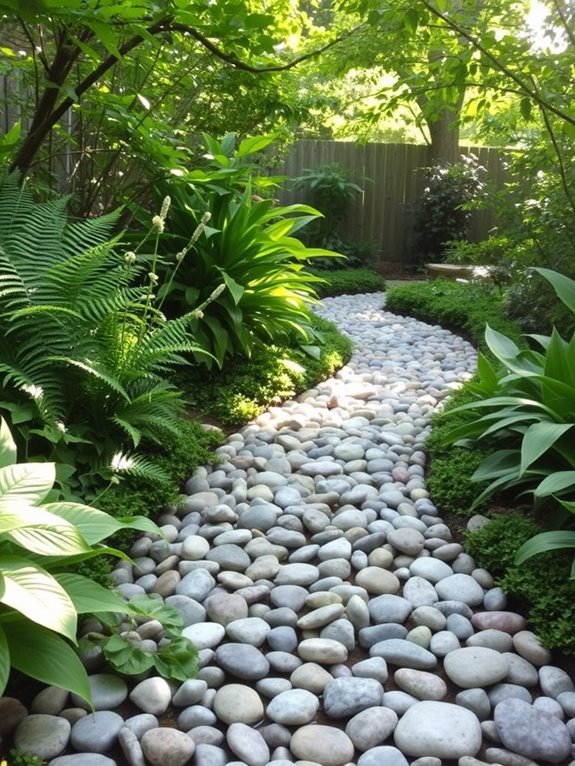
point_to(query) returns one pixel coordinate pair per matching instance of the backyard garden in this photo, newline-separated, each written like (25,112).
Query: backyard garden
(237,412)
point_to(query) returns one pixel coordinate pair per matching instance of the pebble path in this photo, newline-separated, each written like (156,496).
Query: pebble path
(337,621)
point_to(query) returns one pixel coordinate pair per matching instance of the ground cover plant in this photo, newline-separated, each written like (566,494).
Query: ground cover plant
(347,281)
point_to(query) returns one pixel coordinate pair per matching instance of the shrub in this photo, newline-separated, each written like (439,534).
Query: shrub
(449,480)
(442,212)
(348,282)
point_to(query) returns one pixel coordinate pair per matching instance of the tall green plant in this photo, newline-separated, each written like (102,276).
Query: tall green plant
(248,250)
(40,600)
(528,406)
(85,354)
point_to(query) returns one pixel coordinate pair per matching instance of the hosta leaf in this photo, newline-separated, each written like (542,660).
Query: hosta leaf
(30,482)
(563,286)
(538,439)
(90,598)
(543,542)
(95,525)
(7,446)
(557,482)
(61,540)
(33,592)
(47,657)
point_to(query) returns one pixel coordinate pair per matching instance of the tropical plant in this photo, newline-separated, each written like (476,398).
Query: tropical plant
(84,351)
(40,600)
(529,405)
(247,248)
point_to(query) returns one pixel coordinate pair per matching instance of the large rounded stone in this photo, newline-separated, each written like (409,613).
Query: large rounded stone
(438,729)
(294,707)
(167,747)
(475,666)
(344,697)
(377,580)
(324,651)
(236,703)
(43,735)
(322,744)
(531,732)
(248,744)
(371,727)
(243,661)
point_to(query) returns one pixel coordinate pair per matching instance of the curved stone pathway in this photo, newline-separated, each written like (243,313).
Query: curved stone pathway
(337,621)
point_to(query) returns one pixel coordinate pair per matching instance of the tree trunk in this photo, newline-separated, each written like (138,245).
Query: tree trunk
(444,134)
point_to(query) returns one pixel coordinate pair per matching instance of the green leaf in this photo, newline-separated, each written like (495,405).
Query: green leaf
(563,286)
(127,657)
(234,287)
(29,482)
(89,597)
(34,593)
(95,525)
(252,145)
(543,542)
(178,659)
(538,439)
(7,445)
(557,482)
(46,657)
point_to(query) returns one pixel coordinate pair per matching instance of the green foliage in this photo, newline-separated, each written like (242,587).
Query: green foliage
(245,387)
(348,282)
(462,308)
(526,407)
(84,352)
(175,659)
(442,213)
(247,254)
(40,600)
(543,583)
(18,758)
(449,481)
(331,191)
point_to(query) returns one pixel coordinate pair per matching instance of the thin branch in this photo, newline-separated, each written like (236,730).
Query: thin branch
(499,65)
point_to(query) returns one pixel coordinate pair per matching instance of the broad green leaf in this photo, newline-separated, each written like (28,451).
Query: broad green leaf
(46,657)
(125,657)
(502,347)
(4,660)
(33,592)
(29,482)
(538,439)
(234,287)
(95,525)
(7,446)
(557,482)
(89,597)
(252,145)
(543,542)
(177,660)
(497,464)
(563,286)
(61,540)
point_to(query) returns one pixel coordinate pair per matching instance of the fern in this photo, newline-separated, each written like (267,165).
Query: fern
(83,351)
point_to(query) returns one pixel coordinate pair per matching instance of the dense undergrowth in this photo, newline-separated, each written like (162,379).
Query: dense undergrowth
(541,583)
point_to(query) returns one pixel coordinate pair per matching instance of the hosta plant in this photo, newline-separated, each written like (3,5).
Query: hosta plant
(40,600)
(525,409)
(248,249)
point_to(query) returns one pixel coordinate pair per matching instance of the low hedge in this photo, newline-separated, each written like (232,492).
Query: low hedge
(348,282)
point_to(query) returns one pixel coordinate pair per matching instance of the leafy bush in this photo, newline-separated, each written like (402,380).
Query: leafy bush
(245,387)
(543,583)
(442,213)
(84,354)
(449,480)
(348,282)
(462,308)
(248,251)
(528,406)
(40,599)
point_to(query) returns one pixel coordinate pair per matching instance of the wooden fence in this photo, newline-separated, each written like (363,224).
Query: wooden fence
(391,178)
